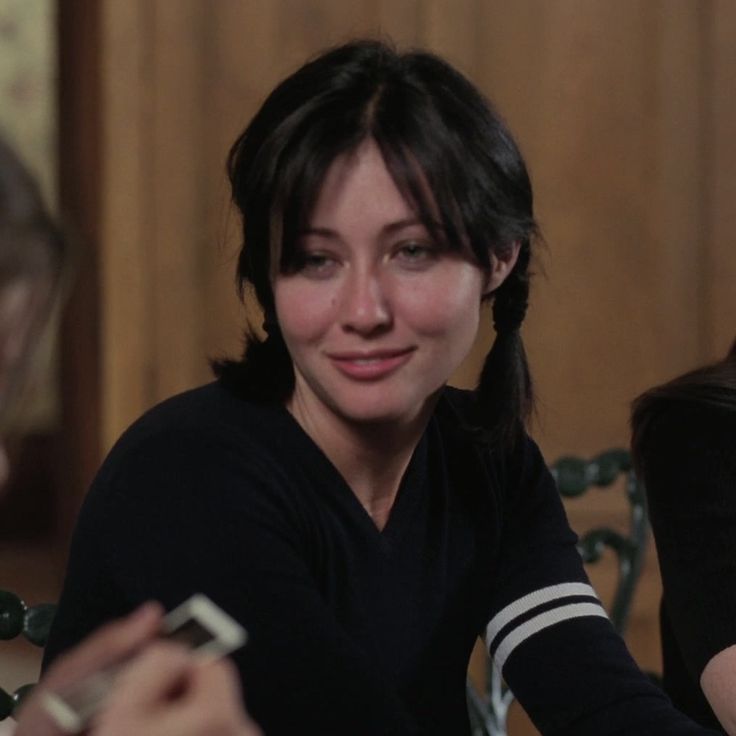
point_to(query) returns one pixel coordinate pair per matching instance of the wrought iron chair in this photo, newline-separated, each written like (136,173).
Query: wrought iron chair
(489,709)
(33,623)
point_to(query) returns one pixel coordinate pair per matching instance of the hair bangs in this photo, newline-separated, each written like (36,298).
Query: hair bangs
(420,166)
(304,171)
(455,165)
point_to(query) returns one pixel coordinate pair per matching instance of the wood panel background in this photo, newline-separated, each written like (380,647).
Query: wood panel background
(620,108)
(625,113)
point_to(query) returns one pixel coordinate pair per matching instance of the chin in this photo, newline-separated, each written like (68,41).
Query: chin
(382,413)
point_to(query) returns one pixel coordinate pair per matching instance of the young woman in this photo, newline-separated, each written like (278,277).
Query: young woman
(32,256)
(364,521)
(684,443)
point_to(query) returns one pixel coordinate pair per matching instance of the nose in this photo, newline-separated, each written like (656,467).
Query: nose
(366,307)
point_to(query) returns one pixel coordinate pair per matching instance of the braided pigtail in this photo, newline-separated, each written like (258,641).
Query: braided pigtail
(265,373)
(504,393)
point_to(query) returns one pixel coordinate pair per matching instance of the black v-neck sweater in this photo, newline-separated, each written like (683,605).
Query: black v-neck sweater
(354,630)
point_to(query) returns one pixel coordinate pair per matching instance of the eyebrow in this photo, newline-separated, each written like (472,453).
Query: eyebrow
(387,229)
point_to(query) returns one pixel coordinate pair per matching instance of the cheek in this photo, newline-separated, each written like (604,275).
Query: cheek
(303,312)
(451,305)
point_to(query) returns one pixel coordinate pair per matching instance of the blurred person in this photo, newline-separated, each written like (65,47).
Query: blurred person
(32,256)
(684,445)
(163,691)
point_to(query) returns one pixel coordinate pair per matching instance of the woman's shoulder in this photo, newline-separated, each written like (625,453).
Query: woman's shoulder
(205,410)
(206,428)
(512,468)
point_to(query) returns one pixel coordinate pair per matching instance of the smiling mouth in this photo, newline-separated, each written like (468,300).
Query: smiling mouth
(366,361)
(372,366)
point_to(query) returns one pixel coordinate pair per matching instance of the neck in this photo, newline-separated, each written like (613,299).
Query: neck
(371,457)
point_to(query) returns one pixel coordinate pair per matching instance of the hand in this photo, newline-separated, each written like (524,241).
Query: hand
(165,691)
(718,682)
(109,645)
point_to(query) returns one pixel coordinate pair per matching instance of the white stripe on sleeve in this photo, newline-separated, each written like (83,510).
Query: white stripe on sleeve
(532,600)
(544,620)
(556,598)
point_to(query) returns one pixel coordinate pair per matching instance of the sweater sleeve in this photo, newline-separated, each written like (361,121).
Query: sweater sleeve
(179,516)
(548,632)
(689,458)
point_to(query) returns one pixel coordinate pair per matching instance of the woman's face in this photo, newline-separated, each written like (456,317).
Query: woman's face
(376,315)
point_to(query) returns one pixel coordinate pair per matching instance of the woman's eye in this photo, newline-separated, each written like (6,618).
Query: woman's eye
(317,264)
(416,253)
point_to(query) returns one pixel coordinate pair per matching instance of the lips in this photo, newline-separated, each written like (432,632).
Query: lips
(370,365)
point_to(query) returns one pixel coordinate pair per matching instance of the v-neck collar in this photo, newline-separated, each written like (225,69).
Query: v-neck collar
(411,487)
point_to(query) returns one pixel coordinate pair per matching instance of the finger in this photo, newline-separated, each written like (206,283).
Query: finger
(218,679)
(212,704)
(147,682)
(108,645)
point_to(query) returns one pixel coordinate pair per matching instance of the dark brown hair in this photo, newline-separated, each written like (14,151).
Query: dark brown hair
(709,386)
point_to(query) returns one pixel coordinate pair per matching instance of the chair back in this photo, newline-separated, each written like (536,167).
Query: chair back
(489,708)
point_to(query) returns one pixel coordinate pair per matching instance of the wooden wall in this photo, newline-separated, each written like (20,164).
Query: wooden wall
(621,109)
(624,110)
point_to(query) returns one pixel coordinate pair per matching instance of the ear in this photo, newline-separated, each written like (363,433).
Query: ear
(502,264)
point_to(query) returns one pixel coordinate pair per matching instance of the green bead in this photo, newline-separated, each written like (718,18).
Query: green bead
(38,620)
(22,693)
(12,615)
(7,704)
(571,476)
(610,464)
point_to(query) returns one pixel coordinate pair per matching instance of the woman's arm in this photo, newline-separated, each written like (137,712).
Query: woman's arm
(558,651)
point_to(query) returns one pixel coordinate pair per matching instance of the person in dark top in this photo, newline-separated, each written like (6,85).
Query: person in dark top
(364,521)
(684,444)
(33,257)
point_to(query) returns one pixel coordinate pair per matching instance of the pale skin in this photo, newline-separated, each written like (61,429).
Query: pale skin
(718,683)
(163,691)
(376,319)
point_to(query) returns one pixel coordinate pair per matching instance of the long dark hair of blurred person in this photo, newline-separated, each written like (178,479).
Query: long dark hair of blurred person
(684,445)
